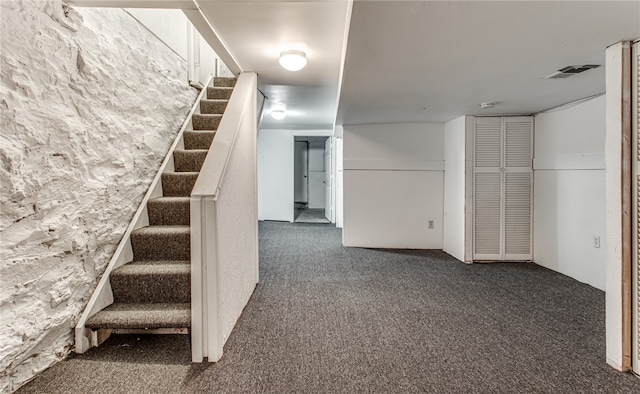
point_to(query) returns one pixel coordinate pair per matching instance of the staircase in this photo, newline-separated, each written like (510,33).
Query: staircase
(153,292)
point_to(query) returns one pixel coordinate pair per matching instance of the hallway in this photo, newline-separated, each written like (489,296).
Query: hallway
(330,319)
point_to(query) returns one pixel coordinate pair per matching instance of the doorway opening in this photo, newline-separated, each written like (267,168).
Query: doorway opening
(312,180)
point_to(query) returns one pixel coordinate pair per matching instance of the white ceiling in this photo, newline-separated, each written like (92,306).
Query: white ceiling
(432,61)
(420,61)
(255,32)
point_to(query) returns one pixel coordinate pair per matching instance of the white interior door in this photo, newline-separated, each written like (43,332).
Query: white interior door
(301,172)
(327,179)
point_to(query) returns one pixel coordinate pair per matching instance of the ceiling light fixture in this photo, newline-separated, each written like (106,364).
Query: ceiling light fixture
(293,60)
(278,111)
(487,105)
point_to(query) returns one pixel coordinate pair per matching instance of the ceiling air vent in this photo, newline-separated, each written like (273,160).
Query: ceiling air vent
(571,71)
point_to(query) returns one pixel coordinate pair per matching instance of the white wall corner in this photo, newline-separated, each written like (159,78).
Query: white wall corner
(454,188)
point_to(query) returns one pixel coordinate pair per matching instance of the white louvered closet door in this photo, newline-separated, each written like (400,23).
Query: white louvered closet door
(502,188)
(635,72)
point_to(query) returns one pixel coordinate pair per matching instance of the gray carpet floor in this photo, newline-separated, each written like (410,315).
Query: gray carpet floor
(310,215)
(329,319)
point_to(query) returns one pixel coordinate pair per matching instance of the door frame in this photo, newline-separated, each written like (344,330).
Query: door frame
(321,134)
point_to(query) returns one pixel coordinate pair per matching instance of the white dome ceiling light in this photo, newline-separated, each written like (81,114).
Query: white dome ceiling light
(293,60)
(278,111)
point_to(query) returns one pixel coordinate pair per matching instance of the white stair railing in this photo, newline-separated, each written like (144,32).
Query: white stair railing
(224,226)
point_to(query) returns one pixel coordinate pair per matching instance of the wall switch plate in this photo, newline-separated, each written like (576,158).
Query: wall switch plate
(431,224)
(596,241)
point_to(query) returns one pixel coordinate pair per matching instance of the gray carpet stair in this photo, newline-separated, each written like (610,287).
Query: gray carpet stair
(141,316)
(198,139)
(161,243)
(154,290)
(139,280)
(169,211)
(189,160)
(206,121)
(178,184)
(216,93)
(224,82)
(213,106)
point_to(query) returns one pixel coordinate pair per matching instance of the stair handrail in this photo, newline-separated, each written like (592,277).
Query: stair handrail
(262,99)
(102,295)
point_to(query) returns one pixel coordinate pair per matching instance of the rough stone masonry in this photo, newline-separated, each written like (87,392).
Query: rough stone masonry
(90,102)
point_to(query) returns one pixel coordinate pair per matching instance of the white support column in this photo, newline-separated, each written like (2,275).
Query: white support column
(617,163)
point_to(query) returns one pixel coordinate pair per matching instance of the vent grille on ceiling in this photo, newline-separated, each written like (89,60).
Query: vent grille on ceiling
(570,71)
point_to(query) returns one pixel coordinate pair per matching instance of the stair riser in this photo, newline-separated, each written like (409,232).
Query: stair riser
(161,246)
(206,122)
(224,82)
(178,185)
(212,107)
(198,140)
(168,214)
(151,288)
(218,93)
(188,161)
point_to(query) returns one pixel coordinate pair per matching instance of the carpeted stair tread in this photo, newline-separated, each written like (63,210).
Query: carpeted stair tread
(189,160)
(216,93)
(213,106)
(167,211)
(228,82)
(178,184)
(198,139)
(163,281)
(206,121)
(140,316)
(161,243)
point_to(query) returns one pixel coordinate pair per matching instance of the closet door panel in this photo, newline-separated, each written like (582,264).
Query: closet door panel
(488,142)
(517,208)
(518,142)
(487,216)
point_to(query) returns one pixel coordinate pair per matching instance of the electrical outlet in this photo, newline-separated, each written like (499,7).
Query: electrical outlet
(596,241)
(431,224)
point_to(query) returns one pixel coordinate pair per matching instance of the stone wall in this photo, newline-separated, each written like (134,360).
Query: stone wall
(90,102)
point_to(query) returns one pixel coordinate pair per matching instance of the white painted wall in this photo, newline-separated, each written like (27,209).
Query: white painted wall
(569,191)
(393,185)
(454,187)
(275,171)
(275,175)
(91,103)
(173,28)
(168,25)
